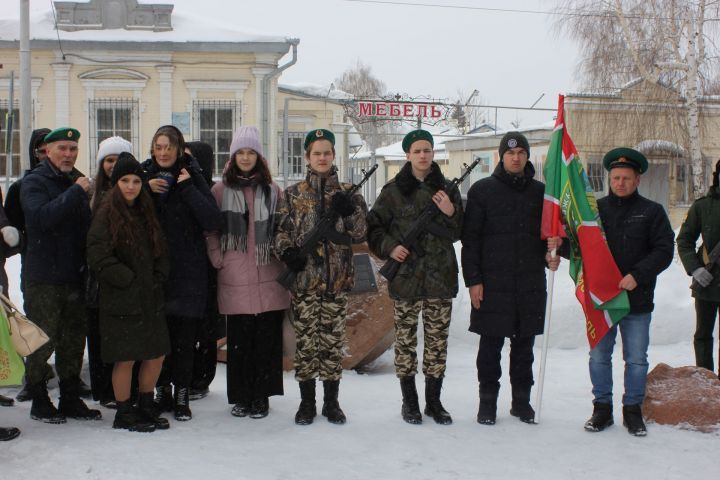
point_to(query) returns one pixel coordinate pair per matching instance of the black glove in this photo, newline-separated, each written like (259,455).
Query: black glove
(342,204)
(293,259)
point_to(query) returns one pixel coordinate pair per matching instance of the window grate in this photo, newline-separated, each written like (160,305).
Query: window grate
(111,117)
(214,122)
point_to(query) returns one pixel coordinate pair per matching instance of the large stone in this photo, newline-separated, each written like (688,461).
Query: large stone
(688,397)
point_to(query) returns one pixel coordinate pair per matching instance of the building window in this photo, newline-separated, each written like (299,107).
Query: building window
(596,176)
(295,165)
(5,139)
(214,122)
(111,117)
(483,169)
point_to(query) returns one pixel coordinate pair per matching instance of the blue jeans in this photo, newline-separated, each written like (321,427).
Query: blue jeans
(635,333)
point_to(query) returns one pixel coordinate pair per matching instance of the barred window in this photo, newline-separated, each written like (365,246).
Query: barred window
(214,122)
(295,164)
(5,139)
(111,117)
(596,175)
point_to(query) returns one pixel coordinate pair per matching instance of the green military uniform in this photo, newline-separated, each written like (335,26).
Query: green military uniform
(703,220)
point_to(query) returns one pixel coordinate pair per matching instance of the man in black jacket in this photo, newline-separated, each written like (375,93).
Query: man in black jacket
(640,239)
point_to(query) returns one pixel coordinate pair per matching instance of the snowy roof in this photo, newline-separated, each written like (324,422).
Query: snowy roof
(322,92)
(395,150)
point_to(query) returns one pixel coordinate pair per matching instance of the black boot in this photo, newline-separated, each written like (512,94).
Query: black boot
(6,401)
(164,399)
(307,411)
(410,410)
(148,413)
(433,407)
(8,433)
(259,408)
(241,409)
(70,403)
(521,404)
(331,408)
(84,390)
(633,420)
(128,418)
(182,404)
(25,394)
(42,408)
(602,417)
(487,412)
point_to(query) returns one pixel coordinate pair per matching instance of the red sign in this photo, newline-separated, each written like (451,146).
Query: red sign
(393,109)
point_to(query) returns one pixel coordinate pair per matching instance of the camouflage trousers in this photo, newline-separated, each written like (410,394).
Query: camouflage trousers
(60,311)
(319,324)
(436,322)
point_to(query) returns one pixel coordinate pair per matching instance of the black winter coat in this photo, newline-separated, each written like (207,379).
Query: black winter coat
(641,241)
(185,213)
(57,218)
(502,250)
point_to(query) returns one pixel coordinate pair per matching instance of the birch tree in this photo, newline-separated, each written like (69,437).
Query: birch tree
(666,42)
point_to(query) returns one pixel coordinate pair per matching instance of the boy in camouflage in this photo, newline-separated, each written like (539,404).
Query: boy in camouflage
(323,277)
(424,283)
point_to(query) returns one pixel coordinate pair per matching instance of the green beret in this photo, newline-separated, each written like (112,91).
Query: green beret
(414,136)
(320,134)
(62,133)
(625,157)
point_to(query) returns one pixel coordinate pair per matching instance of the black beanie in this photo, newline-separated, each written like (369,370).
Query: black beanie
(513,140)
(126,165)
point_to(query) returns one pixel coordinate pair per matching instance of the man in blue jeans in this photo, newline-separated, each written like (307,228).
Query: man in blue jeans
(641,240)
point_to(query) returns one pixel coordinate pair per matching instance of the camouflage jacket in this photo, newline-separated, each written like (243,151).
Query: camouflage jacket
(329,268)
(401,201)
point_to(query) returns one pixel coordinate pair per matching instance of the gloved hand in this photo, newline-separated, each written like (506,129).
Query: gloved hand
(702,276)
(342,204)
(11,236)
(293,259)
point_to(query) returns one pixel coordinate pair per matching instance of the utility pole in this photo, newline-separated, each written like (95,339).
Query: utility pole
(25,85)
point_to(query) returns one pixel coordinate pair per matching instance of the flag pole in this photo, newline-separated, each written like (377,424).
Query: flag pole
(546,340)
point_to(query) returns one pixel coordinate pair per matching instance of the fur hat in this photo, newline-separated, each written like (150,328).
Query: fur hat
(113,146)
(246,137)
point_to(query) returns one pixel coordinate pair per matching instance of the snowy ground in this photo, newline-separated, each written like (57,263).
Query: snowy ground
(376,443)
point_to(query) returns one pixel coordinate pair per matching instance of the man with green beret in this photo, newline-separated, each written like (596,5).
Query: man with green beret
(426,282)
(324,278)
(54,198)
(640,239)
(703,220)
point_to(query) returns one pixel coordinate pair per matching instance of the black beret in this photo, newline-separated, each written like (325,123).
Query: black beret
(63,133)
(625,157)
(319,134)
(414,136)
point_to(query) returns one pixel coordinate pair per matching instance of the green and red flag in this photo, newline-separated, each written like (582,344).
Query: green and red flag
(570,211)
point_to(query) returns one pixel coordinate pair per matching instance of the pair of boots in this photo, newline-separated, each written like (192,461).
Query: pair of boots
(144,418)
(331,407)
(70,405)
(410,410)
(602,418)
(179,404)
(520,407)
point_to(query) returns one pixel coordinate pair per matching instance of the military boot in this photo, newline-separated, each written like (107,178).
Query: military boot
(182,404)
(487,411)
(6,401)
(633,420)
(521,404)
(8,433)
(148,412)
(433,406)
(331,407)
(128,418)
(164,398)
(602,417)
(307,410)
(70,403)
(410,410)
(42,408)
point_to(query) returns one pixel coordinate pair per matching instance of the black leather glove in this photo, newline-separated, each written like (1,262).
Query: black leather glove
(342,204)
(293,259)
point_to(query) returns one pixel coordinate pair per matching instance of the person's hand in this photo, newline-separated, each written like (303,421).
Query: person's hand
(10,235)
(443,202)
(184,175)
(399,253)
(702,276)
(554,243)
(553,262)
(628,283)
(342,204)
(476,295)
(84,182)
(158,185)
(293,259)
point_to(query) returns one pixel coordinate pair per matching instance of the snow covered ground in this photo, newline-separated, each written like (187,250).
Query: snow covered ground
(376,443)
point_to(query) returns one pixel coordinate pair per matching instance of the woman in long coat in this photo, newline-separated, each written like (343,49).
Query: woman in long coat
(247,268)
(126,250)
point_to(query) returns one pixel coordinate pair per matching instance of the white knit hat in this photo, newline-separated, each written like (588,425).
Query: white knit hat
(113,146)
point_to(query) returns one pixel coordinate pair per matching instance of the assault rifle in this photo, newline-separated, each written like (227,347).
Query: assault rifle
(713,259)
(422,224)
(324,229)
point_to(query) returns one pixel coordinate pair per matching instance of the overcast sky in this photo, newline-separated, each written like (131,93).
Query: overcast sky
(510,57)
